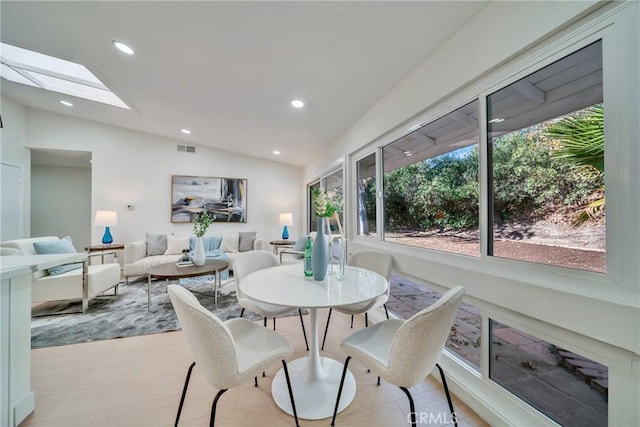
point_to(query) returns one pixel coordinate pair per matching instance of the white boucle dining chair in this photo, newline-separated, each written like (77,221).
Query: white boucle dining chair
(404,352)
(245,264)
(381,263)
(227,353)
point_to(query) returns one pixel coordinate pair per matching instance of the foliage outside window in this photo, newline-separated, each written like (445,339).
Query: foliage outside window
(366,191)
(546,148)
(313,221)
(334,186)
(431,189)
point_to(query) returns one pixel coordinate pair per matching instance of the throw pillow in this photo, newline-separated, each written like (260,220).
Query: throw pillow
(230,242)
(210,243)
(156,244)
(62,246)
(175,245)
(245,240)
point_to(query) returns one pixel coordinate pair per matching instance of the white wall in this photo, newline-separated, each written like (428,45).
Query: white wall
(61,203)
(13,152)
(132,167)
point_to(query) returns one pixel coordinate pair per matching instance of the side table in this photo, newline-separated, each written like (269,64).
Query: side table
(281,244)
(106,250)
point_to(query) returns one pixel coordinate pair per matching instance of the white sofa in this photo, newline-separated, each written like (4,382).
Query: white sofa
(137,261)
(75,284)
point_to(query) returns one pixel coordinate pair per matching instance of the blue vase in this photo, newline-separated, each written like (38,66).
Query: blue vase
(320,252)
(107,239)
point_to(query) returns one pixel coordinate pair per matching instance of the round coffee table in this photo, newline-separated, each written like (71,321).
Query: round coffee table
(172,271)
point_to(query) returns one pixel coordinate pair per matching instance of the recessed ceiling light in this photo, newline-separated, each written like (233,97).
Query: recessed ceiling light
(297,103)
(66,103)
(408,153)
(187,131)
(496,120)
(123,47)
(276,152)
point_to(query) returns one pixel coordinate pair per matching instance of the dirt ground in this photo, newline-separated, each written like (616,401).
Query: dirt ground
(545,242)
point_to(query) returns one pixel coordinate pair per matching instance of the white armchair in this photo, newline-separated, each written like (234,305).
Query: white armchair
(81,283)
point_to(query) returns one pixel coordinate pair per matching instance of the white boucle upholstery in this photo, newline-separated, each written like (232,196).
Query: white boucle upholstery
(404,352)
(245,264)
(381,263)
(229,353)
(377,261)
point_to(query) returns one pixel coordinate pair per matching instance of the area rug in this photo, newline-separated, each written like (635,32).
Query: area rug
(126,314)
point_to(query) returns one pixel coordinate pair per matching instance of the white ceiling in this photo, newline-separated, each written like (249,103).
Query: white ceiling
(228,70)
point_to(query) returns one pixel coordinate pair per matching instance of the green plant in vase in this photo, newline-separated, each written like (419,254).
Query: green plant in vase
(323,207)
(200,226)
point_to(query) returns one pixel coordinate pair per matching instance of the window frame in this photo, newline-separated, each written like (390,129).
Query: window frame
(607,288)
(531,296)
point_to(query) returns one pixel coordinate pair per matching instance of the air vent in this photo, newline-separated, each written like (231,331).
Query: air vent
(187,148)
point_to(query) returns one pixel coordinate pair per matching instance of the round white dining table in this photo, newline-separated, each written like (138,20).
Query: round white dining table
(314,379)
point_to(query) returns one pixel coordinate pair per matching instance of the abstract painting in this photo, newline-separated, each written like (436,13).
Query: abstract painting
(224,198)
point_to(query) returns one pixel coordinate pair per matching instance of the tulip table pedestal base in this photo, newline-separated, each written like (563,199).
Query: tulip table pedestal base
(315,398)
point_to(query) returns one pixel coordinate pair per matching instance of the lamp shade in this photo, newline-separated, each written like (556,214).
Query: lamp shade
(286,219)
(106,218)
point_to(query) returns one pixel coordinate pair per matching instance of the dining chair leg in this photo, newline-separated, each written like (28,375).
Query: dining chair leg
(366,320)
(213,407)
(344,374)
(352,321)
(326,328)
(304,332)
(386,311)
(446,391)
(264,322)
(184,392)
(412,407)
(242,312)
(293,403)
(255,381)
(378,383)
(274,323)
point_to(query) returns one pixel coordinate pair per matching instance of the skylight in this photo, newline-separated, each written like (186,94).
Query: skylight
(58,75)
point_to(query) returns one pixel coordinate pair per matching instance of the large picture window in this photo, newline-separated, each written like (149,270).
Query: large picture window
(431,189)
(546,148)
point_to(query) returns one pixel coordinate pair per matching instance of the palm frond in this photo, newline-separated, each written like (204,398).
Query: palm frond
(580,138)
(589,212)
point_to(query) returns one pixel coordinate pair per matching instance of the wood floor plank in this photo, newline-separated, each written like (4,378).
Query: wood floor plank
(137,382)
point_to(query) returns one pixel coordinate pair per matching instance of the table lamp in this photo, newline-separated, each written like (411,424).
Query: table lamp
(106,218)
(286,219)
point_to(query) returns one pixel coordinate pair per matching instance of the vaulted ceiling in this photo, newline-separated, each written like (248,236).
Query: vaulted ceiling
(228,70)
